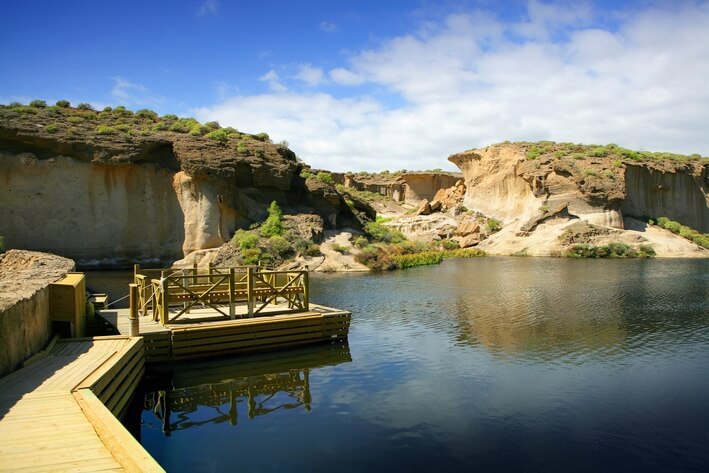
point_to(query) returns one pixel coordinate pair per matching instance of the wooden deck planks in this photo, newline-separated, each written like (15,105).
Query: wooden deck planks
(44,427)
(199,334)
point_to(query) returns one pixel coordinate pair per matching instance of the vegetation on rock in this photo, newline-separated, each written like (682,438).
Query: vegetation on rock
(701,239)
(611,250)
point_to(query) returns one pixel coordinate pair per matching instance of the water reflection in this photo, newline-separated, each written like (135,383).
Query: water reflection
(222,390)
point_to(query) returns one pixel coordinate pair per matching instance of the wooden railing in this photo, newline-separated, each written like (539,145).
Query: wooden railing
(221,289)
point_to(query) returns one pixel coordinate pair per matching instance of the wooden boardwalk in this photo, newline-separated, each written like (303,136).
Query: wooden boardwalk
(203,332)
(51,420)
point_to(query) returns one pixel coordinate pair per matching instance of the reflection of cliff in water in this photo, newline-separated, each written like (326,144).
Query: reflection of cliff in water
(221,390)
(530,309)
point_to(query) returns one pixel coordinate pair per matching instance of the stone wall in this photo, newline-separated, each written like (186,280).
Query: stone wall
(25,328)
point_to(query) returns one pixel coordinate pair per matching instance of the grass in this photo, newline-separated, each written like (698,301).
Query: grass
(618,154)
(382,257)
(701,239)
(274,224)
(611,250)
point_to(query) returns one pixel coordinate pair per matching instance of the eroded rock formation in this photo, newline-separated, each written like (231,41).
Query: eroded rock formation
(537,198)
(117,198)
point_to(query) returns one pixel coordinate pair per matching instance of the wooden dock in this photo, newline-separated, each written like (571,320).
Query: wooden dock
(59,413)
(203,332)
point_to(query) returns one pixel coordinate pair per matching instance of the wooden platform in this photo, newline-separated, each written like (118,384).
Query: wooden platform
(202,333)
(56,413)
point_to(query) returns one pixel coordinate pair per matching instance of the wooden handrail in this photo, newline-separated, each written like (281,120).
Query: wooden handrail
(227,286)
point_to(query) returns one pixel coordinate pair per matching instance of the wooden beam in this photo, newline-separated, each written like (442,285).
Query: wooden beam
(124,447)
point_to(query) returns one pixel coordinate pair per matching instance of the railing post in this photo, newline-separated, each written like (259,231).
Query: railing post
(185,273)
(136,271)
(133,314)
(164,303)
(306,289)
(194,273)
(250,290)
(211,271)
(232,309)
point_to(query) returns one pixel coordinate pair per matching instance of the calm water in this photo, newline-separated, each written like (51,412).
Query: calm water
(490,364)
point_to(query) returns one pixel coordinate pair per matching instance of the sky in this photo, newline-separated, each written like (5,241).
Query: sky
(375,85)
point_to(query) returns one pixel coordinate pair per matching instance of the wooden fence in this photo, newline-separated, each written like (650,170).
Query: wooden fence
(220,289)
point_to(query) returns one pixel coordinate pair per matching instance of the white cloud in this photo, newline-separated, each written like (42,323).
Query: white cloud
(133,93)
(312,76)
(345,77)
(274,81)
(328,26)
(472,80)
(208,7)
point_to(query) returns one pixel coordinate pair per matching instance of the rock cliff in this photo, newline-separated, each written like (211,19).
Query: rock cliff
(114,187)
(537,189)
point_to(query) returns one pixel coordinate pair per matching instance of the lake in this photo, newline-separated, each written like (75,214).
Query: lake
(492,364)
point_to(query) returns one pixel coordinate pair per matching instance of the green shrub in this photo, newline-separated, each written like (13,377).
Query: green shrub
(218,135)
(262,137)
(273,225)
(63,103)
(375,258)
(618,163)
(182,126)
(106,130)
(38,104)
(597,152)
(248,241)
(75,119)
(85,106)
(305,174)
(15,104)
(146,113)
(464,253)
(122,127)
(199,130)
(251,256)
(449,245)
(534,152)
(611,250)
(325,178)
(684,231)
(160,126)
(361,241)
(52,128)
(241,148)
(306,247)
(590,172)
(213,125)
(340,248)
(493,225)
(381,233)
(417,259)
(609,174)
(279,246)
(108,109)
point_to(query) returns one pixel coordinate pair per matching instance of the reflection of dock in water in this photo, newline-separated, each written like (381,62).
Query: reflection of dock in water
(263,385)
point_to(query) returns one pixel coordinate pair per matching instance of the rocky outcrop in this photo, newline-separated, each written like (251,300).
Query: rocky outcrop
(25,327)
(120,197)
(424,185)
(536,195)
(409,187)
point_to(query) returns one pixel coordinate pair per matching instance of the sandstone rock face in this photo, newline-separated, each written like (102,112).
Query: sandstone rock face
(431,227)
(24,303)
(92,213)
(118,199)
(425,185)
(681,196)
(537,199)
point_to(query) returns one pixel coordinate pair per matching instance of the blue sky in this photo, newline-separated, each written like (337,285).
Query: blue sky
(373,85)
